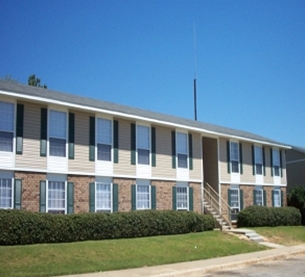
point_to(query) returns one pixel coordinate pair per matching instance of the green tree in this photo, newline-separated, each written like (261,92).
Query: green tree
(296,198)
(35,82)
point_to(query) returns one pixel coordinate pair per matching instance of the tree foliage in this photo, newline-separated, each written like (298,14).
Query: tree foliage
(296,198)
(35,82)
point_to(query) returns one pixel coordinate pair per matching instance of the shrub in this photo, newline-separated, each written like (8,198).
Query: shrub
(296,198)
(259,216)
(23,227)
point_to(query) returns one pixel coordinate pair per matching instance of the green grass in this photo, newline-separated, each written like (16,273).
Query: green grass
(94,256)
(285,235)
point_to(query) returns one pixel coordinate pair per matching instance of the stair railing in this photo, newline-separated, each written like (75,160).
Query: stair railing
(217,203)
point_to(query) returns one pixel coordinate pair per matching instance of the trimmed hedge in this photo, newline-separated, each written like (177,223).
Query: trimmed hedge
(23,227)
(259,216)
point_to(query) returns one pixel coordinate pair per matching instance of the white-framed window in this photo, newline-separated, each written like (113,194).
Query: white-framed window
(234,201)
(57,133)
(104,139)
(259,196)
(56,196)
(182,196)
(143,195)
(182,150)
(7,115)
(103,196)
(276,197)
(143,144)
(6,193)
(258,154)
(234,156)
(276,162)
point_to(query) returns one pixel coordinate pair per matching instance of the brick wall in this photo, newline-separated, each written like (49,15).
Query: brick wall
(164,194)
(81,192)
(197,197)
(248,195)
(30,189)
(124,193)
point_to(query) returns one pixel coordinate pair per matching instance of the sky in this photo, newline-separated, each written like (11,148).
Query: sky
(248,57)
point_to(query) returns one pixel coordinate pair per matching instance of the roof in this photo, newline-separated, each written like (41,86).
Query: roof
(50,96)
(299,149)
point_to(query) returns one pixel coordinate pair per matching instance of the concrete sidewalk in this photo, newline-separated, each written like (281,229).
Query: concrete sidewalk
(197,268)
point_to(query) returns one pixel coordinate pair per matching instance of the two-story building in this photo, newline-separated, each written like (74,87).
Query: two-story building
(62,153)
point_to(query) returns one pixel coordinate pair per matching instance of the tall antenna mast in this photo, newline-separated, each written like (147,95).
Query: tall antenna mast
(195,73)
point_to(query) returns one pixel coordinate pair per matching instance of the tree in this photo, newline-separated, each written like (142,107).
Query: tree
(296,198)
(9,78)
(35,82)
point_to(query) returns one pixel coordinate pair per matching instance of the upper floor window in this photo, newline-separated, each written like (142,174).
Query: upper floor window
(143,144)
(258,160)
(6,126)
(182,149)
(104,139)
(234,155)
(276,162)
(58,133)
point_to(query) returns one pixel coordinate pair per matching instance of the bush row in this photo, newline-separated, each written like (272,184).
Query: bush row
(23,227)
(258,216)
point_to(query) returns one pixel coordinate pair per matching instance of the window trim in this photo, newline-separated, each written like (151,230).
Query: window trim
(13,131)
(186,153)
(233,159)
(58,178)
(279,191)
(9,176)
(104,182)
(149,149)
(143,183)
(182,185)
(99,142)
(53,109)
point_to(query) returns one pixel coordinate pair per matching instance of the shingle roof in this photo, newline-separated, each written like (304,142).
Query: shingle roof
(46,94)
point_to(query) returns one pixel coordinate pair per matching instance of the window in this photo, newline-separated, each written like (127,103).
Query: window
(234,200)
(143,195)
(234,154)
(258,196)
(182,150)
(276,194)
(103,197)
(6,126)
(104,139)
(182,196)
(258,160)
(276,162)
(56,197)
(6,192)
(58,133)
(143,144)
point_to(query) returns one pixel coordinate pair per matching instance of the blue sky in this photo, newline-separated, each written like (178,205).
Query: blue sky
(250,56)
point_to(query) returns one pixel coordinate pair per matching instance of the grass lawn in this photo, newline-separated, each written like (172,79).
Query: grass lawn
(285,235)
(94,256)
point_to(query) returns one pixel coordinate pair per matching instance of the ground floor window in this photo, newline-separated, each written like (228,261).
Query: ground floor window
(182,198)
(6,193)
(258,196)
(235,199)
(103,197)
(276,197)
(143,196)
(56,197)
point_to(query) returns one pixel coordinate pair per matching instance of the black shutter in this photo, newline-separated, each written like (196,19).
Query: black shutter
(43,131)
(92,138)
(115,141)
(71,135)
(19,129)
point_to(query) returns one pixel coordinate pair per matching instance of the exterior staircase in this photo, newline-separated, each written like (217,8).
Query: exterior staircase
(217,207)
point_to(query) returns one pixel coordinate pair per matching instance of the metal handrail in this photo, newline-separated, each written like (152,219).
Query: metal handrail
(217,203)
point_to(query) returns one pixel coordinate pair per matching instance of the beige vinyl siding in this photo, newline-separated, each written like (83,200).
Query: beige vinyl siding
(210,161)
(81,161)
(196,173)
(124,167)
(163,167)
(247,176)
(30,157)
(224,175)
